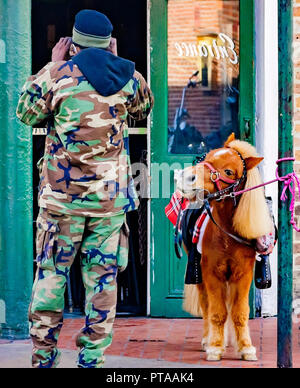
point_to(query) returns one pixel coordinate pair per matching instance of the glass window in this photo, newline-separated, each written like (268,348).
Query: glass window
(203,74)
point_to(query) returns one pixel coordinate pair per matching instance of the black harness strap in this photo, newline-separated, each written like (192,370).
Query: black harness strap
(193,274)
(187,219)
(178,235)
(236,238)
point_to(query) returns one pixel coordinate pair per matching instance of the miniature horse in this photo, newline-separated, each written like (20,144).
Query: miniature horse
(227,265)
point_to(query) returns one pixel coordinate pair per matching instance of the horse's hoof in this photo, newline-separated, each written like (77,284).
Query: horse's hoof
(249,357)
(213,354)
(249,354)
(213,357)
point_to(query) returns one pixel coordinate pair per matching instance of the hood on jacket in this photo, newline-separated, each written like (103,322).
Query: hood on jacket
(106,72)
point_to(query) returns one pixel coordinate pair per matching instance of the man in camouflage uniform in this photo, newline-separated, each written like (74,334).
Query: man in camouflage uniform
(86,187)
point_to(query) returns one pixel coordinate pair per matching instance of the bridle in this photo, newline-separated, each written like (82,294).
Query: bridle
(290,180)
(216,177)
(220,194)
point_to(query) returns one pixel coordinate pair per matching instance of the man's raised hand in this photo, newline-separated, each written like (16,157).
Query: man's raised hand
(61,49)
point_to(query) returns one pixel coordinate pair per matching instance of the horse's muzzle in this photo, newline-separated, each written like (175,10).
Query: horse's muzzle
(185,183)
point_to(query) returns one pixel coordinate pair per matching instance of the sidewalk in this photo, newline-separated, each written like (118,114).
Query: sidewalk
(157,343)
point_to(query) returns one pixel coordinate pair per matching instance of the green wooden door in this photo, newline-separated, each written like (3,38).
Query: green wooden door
(216,39)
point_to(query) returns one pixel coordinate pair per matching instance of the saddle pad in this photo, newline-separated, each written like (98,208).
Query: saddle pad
(201,234)
(173,208)
(172,211)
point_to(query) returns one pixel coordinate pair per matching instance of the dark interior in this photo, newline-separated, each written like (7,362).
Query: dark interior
(52,20)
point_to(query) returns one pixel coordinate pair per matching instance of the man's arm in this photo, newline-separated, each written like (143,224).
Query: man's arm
(141,102)
(34,105)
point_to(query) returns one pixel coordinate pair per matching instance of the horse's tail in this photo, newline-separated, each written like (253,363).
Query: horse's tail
(192,299)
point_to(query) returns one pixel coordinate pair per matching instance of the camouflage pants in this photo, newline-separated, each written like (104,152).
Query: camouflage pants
(103,246)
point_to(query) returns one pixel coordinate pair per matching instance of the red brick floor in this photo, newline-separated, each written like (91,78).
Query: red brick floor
(178,340)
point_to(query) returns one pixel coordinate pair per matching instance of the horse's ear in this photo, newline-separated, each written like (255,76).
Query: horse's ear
(229,140)
(252,162)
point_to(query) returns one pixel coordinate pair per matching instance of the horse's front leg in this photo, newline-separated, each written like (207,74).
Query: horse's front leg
(239,295)
(204,307)
(217,315)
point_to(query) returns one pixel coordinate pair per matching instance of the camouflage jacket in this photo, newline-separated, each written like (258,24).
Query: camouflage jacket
(85,169)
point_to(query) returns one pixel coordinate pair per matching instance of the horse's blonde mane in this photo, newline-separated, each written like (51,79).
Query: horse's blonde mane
(252,217)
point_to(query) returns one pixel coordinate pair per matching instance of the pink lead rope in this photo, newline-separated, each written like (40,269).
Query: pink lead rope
(290,181)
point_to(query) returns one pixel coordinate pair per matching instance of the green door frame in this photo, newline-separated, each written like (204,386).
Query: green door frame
(16,236)
(285,149)
(160,227)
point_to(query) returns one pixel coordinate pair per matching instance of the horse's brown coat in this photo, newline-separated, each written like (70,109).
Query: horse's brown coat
(227,266)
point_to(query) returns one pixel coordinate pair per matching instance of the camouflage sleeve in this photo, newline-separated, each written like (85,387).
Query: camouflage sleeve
(34,105)
(141,101)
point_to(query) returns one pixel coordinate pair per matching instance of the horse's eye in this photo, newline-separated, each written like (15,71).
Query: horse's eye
(228,172)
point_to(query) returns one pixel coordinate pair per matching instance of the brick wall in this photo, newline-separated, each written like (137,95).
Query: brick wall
(297,138)
(187,20)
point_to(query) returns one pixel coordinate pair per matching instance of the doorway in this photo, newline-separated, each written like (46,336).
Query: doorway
(51,20)
(204,86)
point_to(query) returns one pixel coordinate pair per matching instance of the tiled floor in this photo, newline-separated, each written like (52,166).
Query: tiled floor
(178,340)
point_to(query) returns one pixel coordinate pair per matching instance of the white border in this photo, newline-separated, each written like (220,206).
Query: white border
(266,27)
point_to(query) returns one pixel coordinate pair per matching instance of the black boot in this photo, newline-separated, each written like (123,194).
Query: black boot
(263,273)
